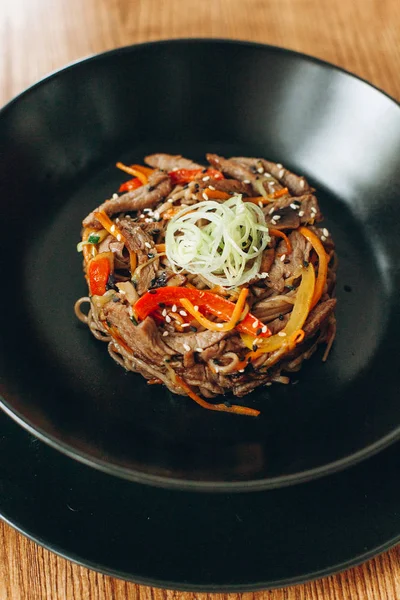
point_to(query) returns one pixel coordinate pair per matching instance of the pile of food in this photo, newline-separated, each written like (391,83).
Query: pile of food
(210,279)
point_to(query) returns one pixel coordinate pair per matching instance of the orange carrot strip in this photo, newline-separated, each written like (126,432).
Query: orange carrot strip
(229,325)
(134,172)
(217,194)
(278,233)
(142,169)
(280,193)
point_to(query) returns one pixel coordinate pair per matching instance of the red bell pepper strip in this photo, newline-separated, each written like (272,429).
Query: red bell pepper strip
(131,184)
(182,176)
(207,301)
(98,272)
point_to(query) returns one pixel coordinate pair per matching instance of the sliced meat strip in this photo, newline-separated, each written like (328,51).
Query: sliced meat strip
(296,185)
(231,168)
(324,236)
(287,220)
(200,375)
(143,339)
(267,260)
(158,187)
(231,186)
(142,244)
(291,212)
(243,388)
(110,244)
(169,162)
(283,269)
(180,342)
(318,316)
(270,308)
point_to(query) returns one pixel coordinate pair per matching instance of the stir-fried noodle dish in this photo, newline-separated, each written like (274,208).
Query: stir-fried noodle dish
(210,278)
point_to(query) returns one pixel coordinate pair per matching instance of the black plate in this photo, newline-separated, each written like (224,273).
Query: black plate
(60,141)
(202,542)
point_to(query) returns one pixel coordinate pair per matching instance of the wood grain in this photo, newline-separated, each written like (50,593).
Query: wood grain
(38,36)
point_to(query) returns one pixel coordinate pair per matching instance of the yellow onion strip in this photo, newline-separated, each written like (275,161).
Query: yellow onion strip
(323,260)
(229,325)
(291,333)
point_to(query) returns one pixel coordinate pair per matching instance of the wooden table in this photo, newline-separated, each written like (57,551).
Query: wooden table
(37,36)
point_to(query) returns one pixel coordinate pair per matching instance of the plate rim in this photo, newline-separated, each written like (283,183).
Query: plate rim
(125,49)
(161,480)
(157,582)
(208,588)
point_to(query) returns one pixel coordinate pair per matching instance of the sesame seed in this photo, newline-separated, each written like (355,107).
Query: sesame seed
(175,169)
(246,180)
(147,210)
(187,347)
(147,220)
(119,237)
(115,196)
(282,334)
(205,196)
(313,210)
(271,211)
(199,349)
(279,165)
(323,238)
(255,248)
(264,329)
(183,313)
(276,217)
(220,324)
(196,307)
(122,292)
(260,204)
(170,200)
(165,333)
(112,229)
(260,170)
(241,370)
(269,383)
(283,257)
(147,244)
(325,231)
(302,183)
(263,275)
(185,325)
(294,206)
(216,369)
(164,312)
(211,187)
(301,213)
(156,215)
(254,326)
(281,173)
(206,178)
(174,309)
(168,319)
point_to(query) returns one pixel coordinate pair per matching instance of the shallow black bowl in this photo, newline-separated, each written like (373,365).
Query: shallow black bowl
(60,140)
